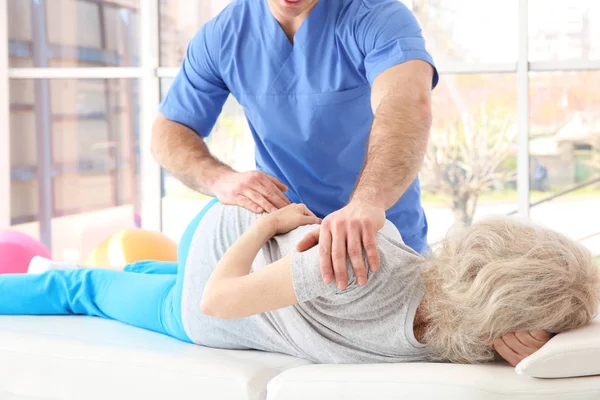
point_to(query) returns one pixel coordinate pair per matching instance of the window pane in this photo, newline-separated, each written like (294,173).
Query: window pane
(179,22)
(470,168)
(564,30)
(76,33)
(469,30)
(231,142)
(91,127)
(565,152)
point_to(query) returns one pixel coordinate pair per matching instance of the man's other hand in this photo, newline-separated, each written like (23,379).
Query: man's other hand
(345,233)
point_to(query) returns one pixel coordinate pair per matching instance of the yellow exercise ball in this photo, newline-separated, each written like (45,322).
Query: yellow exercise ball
(132,245)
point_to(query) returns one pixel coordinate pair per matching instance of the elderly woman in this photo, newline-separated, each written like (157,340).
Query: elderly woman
(240,284)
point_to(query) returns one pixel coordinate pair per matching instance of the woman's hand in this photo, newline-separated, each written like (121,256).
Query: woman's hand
(514,347)
(289,218)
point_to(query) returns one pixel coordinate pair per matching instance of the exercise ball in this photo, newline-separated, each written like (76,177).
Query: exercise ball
(16,251)
(132,245)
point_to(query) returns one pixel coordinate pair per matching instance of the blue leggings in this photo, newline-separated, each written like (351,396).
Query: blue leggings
(146,294)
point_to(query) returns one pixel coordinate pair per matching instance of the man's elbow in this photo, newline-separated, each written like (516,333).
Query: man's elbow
(413,103)
(157,140)
(422,101)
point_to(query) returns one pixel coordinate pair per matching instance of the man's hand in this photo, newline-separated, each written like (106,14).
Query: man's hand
(345,233)
(514,347)
(254,190)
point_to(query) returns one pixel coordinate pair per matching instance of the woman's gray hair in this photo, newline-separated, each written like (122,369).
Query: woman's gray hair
(501,275)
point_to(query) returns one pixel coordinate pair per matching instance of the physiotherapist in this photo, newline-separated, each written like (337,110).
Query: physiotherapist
(337,97)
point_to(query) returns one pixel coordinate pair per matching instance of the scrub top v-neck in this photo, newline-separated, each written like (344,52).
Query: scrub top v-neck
(307,103)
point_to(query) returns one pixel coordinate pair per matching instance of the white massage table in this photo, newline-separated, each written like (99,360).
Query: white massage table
(85,358)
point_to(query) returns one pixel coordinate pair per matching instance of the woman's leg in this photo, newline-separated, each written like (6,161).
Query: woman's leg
(152,267)
(147,300)
(140,300)
(39,265)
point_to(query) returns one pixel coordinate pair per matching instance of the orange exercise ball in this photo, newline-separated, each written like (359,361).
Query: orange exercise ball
(132,245)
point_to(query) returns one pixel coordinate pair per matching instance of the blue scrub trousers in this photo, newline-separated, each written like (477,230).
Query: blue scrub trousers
(146,294)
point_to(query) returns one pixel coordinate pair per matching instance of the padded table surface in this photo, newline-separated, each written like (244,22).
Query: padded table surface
(86,358)
(76,358)
(422,381)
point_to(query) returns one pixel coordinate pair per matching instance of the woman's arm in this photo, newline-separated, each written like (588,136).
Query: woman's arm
(231,292)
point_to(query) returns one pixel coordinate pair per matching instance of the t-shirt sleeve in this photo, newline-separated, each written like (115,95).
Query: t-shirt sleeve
(389,34)
(389,230)
(197,94)
(306,276)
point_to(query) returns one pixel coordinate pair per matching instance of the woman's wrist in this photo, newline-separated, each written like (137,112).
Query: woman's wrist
(264,227)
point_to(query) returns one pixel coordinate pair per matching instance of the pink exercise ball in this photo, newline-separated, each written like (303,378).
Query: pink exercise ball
(17,249)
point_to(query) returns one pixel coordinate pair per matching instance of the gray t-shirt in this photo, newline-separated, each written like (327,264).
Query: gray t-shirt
(368,324)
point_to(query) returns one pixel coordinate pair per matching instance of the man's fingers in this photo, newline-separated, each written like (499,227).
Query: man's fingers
(511,340)
(277,183)
(338,254)
(325,255)
(506,352)
(355,252)
(272,193)
(272,196)
(310,240)
(249,204)
(260,200)
(370,245)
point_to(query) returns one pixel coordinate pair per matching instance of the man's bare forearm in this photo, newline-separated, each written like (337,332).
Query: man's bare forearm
(396,148)
(184,155)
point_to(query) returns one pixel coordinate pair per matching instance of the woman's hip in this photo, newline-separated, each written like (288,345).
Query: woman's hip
(188,234)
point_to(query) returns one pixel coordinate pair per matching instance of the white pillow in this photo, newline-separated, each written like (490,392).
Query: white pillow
(568,354)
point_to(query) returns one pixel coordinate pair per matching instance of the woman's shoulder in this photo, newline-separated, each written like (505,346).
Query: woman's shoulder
(395,255)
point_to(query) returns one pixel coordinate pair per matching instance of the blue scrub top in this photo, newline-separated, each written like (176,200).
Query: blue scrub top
(307,104)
